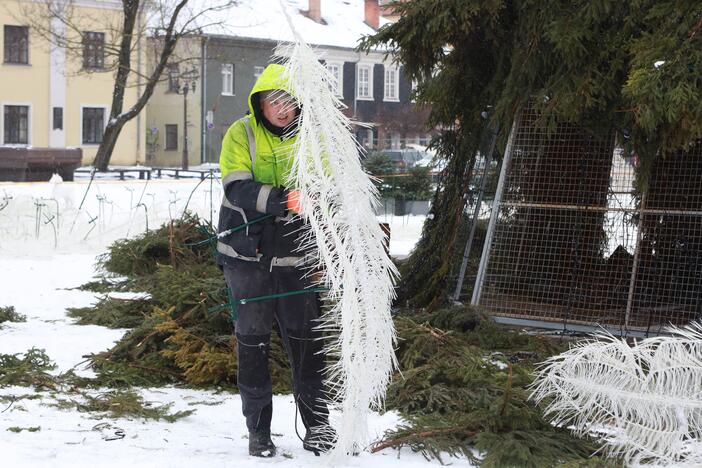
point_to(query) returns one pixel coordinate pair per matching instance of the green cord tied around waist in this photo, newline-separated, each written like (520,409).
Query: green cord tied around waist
(229,231)
(232,305)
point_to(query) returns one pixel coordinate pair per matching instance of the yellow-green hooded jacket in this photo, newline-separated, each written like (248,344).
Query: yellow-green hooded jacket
(255,186)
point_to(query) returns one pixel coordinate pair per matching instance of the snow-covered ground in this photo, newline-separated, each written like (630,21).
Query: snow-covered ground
(48,244)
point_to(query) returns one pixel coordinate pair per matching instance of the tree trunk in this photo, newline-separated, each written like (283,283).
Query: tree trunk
(424,277)
(117,117)
(114,127)
(107,146)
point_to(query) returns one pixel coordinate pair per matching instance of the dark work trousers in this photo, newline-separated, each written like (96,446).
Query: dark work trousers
(296,316)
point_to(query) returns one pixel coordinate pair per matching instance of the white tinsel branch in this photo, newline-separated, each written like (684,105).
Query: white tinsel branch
(644,401)
(337,199)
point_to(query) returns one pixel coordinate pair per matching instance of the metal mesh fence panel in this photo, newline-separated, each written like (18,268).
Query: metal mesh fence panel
(575,243)
(667,285)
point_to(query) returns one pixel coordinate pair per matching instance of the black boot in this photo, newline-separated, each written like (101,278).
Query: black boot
(260,443)
(319,439)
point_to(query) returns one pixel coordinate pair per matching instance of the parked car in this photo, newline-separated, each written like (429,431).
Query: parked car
(402,159)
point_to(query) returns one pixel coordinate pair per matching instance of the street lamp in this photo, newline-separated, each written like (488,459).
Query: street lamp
(189,79)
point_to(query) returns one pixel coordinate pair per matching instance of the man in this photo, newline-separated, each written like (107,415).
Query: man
(264,259)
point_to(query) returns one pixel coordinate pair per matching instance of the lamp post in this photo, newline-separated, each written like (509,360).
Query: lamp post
(190,83)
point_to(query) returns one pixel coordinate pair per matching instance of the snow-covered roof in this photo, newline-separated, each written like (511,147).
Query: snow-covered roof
(266,19)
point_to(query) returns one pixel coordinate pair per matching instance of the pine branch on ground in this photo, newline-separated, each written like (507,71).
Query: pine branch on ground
(174,337)
(461,397)
(28,370)
(112,313)
(9,314)
(68,391)
(122,404)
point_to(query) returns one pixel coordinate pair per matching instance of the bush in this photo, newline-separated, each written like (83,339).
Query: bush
(415,185)
(378,164)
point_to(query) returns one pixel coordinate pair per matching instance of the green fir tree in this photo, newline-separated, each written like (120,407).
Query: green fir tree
(630,65)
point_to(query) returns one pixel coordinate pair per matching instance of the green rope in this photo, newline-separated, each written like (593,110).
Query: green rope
(229,231)
(233,302)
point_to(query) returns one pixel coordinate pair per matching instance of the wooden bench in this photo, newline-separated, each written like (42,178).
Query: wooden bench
(29,164)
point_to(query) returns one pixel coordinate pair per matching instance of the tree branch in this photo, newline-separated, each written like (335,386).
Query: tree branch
(378,446)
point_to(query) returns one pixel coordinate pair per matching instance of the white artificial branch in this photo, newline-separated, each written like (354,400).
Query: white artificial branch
(337,199)
(644,402)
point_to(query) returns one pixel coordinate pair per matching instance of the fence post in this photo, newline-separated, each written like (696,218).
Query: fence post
(635,265)
(485,256)
(476,213)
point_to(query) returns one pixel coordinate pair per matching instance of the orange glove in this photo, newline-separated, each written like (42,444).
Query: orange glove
(293,202)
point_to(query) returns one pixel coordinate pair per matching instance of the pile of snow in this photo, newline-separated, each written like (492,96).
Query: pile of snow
(47,217)
(75,216)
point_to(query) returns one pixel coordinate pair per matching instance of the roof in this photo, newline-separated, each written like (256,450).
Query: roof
(265,19)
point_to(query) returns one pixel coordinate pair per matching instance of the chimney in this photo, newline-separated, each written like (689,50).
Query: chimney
(314,11)
(372,13)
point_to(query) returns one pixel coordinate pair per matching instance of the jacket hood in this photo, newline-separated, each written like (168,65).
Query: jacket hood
(272,78)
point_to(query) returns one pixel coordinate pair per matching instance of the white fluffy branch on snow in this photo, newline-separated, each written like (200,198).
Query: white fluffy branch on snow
(644,401)
(337,199)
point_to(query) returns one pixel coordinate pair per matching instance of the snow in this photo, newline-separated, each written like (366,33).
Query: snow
(47,247)
(259,19)
(46,219)
(33,287)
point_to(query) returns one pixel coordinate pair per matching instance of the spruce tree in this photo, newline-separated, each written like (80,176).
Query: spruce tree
(633,66)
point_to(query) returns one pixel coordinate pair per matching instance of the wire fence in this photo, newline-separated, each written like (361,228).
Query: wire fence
(572,242)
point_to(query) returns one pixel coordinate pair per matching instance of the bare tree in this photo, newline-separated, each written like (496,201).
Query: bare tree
(169,20)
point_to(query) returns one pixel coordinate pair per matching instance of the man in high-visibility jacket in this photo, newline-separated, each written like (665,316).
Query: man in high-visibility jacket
(264,259)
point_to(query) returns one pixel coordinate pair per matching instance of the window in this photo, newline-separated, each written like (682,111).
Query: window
(391,84)
(364,82)
(93,125)
(58,118)
(93,50)
(228,79)
(173,75)
(16,44)
(258,71)
(171,137)
(336,71)
(16,123)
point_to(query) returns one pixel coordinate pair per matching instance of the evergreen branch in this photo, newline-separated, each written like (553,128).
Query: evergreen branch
(695,29)
(435,332)
(175,375)
(419,435)
(508,391)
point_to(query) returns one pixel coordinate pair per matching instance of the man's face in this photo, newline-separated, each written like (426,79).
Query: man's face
(279,108)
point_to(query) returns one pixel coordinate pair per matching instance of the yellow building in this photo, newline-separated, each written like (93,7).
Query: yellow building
(171,110)
(58,96)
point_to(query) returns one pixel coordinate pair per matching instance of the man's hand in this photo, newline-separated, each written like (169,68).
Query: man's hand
(293,202)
